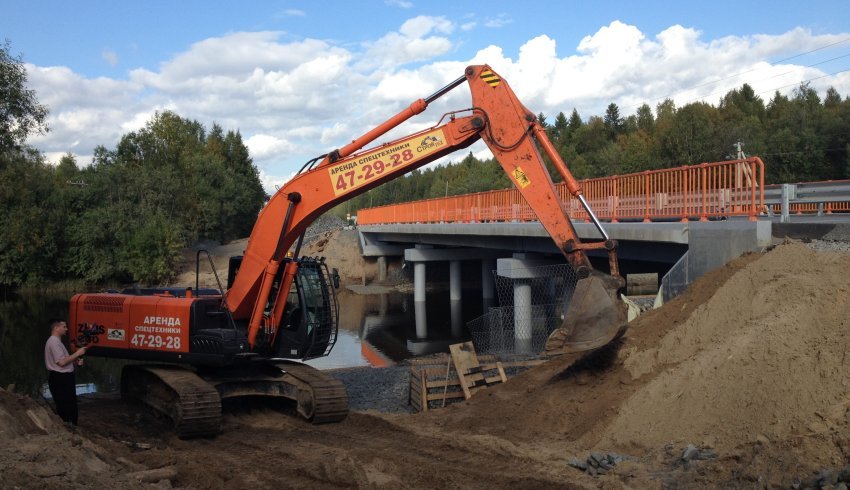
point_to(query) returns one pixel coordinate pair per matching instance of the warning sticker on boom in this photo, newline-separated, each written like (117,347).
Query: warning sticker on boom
(520,178)
(368,166)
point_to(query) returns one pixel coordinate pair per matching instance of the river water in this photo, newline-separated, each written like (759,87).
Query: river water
(375,330)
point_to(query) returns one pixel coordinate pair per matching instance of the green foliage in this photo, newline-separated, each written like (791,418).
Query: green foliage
(164,187)
(20,113)
(128,216)
(32,218)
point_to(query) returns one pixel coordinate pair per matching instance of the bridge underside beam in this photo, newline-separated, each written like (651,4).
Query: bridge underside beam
(449,254)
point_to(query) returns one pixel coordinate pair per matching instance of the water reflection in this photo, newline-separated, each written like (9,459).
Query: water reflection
(377,330)
(394,327)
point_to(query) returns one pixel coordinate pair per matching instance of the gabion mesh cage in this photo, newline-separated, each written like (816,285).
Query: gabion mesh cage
(532,303)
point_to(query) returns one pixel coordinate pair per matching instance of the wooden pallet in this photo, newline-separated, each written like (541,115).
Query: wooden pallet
(434,381)
(471,373)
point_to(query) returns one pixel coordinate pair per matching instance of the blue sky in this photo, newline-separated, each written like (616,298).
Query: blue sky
(298,78)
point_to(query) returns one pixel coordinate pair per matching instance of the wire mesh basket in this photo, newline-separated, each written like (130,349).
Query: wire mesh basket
(532,303)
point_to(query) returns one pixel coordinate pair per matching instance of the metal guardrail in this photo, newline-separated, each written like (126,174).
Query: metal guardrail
(807,198)
(704,191)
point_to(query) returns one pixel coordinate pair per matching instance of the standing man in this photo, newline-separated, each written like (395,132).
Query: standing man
(60,371)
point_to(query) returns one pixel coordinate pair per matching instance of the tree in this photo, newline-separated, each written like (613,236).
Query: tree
(613,121)
(21,115)
(645,119)
(560,128)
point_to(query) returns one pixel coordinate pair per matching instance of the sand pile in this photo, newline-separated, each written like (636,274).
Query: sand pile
(766,356)
(754,351)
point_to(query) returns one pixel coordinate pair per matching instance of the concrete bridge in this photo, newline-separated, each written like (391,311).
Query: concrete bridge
(678,252)
(678,223)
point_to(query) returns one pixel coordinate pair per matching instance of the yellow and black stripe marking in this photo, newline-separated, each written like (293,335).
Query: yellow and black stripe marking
(491,78)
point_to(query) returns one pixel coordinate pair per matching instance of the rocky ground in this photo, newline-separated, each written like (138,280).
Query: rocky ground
(740,382)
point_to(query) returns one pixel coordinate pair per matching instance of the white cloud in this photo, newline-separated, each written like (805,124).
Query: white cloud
(109,56)
(399,3)
(294,13)
(293,100)
(499,21)
(413,42)
(263,146)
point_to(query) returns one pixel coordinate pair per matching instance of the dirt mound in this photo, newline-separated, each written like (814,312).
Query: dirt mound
(36,449)
(339,246)
(766,356)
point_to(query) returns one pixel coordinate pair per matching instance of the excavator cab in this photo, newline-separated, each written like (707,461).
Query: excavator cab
(310,319)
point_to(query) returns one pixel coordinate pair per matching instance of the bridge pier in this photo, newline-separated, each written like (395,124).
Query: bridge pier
(455,280)
(422,254)
(382,268)
(522,317)
(419,300)
(521,268)
(488,283)
(457,317)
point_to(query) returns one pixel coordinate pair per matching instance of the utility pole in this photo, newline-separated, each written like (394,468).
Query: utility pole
(739,146)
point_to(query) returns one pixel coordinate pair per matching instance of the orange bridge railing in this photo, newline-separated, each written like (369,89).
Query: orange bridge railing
(703,192)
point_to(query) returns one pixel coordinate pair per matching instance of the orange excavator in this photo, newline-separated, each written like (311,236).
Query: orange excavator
(203,345)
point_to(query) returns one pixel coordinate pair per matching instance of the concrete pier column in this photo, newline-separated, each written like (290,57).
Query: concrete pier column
(522,317)
(421,320)
(382,268)
(419,300)
(457,318)
(419,282)
(488,282)
(455,280)
(383,304)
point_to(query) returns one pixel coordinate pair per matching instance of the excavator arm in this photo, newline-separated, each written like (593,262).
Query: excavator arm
(511,132)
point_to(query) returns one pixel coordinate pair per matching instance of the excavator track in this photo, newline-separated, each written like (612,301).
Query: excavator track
(322,398)
(193,400)
(193,405)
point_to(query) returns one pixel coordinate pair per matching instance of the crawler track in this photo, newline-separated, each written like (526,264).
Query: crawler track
(193,405)
(193,400)
(328,400)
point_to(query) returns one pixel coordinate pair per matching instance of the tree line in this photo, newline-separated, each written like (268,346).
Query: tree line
(128,215)
(799,137)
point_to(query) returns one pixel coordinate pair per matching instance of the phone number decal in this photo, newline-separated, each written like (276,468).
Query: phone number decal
(151,341)
(369,166)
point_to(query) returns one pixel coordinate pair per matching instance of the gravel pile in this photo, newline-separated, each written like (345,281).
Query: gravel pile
(840,232)
(830,245)
(325,224)
(379,389)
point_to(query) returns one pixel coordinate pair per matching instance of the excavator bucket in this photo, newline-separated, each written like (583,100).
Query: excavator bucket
(593,318)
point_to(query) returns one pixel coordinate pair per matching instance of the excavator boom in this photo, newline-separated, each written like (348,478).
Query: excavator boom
(512,133)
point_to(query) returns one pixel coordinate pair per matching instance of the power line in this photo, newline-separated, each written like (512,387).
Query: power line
(775,76)
(808,152)
(805,81)
(753,69)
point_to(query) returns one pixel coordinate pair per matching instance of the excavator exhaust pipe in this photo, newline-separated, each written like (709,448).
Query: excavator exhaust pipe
(594,317)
